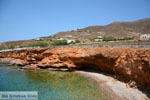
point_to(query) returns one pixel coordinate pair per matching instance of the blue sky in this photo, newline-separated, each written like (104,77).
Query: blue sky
(27,19)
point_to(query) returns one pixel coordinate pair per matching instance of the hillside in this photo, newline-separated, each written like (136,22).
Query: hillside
(13,44)
(115,29)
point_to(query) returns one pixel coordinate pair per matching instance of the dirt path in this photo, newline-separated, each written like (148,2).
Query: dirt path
(116,89)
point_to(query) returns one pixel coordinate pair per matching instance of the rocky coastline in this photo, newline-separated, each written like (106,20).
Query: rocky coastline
(128,64)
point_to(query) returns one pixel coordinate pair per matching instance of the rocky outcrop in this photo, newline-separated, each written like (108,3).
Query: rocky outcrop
(12,61)
(125,63)
(134,64)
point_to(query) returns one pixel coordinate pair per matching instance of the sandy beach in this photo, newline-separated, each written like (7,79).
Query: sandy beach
(116,89)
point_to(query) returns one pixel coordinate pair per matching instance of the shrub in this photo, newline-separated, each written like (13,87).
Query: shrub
(39,43)
(79,30)
(126,38)
(1,48)
(60,42)
(115,39)
(77,41)
(109,39)
(11,47)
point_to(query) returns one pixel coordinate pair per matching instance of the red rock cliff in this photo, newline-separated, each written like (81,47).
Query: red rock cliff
(125,63)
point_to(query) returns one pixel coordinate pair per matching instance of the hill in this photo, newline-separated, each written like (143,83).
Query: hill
(115,29)
(13,44)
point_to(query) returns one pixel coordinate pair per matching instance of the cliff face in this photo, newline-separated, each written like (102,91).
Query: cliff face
(125,63)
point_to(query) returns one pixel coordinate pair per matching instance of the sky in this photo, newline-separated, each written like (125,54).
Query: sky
(28,19)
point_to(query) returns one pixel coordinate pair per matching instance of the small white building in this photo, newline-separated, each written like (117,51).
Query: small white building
(97,40)
(87,30)
(99,37)
(37,39)
(145,37)
(69,41)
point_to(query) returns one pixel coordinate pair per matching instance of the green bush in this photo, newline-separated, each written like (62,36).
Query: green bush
(1,48)
(11,47)
(115,39)
(60,42)
(77,41)
(79,30)
(39,43)
(126,38)
(109,39)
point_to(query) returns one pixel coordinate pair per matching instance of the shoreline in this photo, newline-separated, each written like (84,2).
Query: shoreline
(115,89)
(128,64)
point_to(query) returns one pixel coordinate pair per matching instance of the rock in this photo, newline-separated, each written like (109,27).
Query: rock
(126,63)
(12,61)
(31,66)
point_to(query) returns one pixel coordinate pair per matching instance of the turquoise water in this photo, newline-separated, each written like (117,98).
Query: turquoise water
(51,85)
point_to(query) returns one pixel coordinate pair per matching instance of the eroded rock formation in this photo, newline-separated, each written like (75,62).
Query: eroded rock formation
(125,63)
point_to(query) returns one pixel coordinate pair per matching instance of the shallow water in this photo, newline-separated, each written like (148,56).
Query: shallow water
(51,85)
